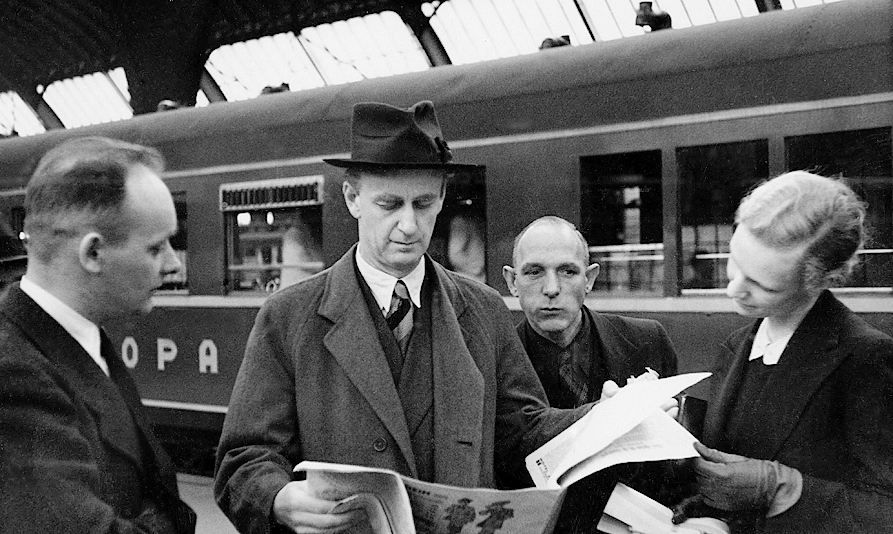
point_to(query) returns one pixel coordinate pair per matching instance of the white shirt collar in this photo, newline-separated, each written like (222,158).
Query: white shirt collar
(382,284)
(79,327)
(770,351)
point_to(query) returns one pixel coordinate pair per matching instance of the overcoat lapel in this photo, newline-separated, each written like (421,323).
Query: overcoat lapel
(353,342)
(99,392)
(809,358)
(457,425)
(735,352)
(806,362)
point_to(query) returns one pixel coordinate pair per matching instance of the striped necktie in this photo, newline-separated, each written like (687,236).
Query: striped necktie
(400,315)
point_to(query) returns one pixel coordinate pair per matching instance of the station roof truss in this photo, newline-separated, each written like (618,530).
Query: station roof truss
(80,62)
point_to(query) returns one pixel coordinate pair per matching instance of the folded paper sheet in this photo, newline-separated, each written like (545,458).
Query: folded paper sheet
(628,427)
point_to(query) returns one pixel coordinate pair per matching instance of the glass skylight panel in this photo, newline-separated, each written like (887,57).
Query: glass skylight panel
(243,69)
(328,54)
(347,51)
(201,100)
(90,99)
(601,20)
(16,117)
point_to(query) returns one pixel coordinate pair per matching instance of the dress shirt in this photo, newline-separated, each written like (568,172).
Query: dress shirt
(762,347)
(79,327)
(382,284)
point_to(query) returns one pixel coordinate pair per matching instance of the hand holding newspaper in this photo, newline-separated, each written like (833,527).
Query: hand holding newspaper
(397,504)
(627,427)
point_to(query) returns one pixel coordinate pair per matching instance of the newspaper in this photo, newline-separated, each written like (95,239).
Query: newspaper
(397,504)
(628,427)
(630,511)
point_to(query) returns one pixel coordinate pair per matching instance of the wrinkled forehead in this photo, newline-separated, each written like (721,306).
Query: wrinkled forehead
(551,244)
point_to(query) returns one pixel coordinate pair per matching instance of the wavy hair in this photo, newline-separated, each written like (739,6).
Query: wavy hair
(801,209)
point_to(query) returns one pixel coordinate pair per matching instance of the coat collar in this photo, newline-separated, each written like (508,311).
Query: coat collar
(99,393)
(812,354)
(616,347)
(352,340)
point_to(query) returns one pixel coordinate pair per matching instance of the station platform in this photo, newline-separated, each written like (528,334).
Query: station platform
(198,492)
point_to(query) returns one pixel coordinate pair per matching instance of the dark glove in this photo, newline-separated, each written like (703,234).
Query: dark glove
(732,482)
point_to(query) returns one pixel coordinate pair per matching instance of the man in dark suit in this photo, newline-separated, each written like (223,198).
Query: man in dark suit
(428,379)
(798,431)
(76,455)
(577,352)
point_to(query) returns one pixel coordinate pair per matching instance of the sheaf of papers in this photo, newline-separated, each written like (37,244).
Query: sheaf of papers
(628,427)
(630,511)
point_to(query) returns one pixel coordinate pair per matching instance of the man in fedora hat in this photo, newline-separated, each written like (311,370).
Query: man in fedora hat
(385,359)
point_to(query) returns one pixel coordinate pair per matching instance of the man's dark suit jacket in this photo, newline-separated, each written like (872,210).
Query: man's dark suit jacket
(826,410)
(627,346)
(75,454)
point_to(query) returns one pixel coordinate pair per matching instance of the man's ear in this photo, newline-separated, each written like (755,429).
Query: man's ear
(90,252)
(350,198)
(591,275)
(508,274)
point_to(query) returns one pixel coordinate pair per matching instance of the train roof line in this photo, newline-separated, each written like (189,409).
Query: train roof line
(663,122)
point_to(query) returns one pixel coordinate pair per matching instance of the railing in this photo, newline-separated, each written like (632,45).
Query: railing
(639,269)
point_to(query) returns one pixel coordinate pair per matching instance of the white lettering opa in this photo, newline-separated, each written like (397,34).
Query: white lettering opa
(166,352)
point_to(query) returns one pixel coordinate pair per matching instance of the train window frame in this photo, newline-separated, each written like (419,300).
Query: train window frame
(637,269)
(839,154)
(300,199)
(695,260)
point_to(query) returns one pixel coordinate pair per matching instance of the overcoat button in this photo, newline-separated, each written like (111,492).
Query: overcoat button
(379,444)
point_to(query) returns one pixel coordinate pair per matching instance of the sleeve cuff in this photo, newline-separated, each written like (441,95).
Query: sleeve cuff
(790,487)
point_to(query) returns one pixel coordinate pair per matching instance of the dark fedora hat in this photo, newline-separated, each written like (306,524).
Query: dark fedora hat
(385,136)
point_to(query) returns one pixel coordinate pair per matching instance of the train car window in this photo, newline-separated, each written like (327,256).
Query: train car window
(864,160)
(459,240)
(621,216)
(713,179)
(274,232)
(179,280)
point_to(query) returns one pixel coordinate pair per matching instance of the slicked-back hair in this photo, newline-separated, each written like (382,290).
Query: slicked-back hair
(801,209)
(79,186)
(552,220)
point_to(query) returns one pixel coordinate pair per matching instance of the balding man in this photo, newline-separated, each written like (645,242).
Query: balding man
(576,351)
(76,453)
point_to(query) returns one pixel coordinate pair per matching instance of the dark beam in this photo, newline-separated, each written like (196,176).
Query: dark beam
(164,50)
(211,88)
(412,15)
(764,6)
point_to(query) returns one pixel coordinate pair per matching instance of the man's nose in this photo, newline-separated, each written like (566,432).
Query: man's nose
(551,285)
(172,263)
(735,287)
(407,221)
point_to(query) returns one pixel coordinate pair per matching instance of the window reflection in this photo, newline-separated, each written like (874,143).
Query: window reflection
(274,232)
(713,179)
(622,219)
(864,159)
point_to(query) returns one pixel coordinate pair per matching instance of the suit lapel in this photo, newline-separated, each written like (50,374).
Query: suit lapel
(353,341)
(99,393)
(458,388)
(616,349)
(126,386)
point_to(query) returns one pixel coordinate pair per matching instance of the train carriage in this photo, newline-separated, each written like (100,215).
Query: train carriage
(646,143)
